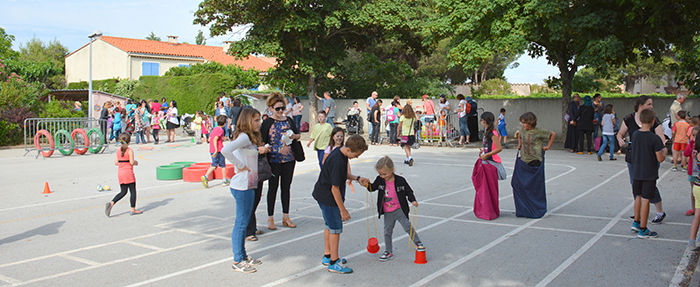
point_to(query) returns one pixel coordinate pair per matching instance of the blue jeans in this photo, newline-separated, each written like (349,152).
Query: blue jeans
(463,128)
(226,131)
(609,140)
(330,121)
(139,137)
(244,208)
(657,195)
(332,219)
(297,121)
(319,154)
(370,125)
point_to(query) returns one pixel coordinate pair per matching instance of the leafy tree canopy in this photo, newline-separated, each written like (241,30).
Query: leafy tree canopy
(199,39)
(152,37)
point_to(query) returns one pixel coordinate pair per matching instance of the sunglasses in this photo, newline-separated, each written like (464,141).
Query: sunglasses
(279,109)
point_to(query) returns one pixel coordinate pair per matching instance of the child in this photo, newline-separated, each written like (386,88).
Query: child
(125,160)
(393,190)
(198,118)
(336,141)
(692,168)
(528,181)
(694,122)
(680,140)
(117,124)
(406,123)
(647,152)
(502,128)
(609,122)
(442,124)
(215,145)
(329,192)
(155,124)
(206,126)
(321,134)
(485,174)
(243,152)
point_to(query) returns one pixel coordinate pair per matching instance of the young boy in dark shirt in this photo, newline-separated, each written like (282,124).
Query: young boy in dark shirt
(329,191)
(647,152)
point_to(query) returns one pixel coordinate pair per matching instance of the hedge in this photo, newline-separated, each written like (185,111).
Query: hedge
(107,86)
(559,95)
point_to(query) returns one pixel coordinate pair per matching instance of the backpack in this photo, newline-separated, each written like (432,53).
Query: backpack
(390,115)
(304,127)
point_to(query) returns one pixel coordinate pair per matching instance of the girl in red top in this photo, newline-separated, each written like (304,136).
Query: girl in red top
(125,161)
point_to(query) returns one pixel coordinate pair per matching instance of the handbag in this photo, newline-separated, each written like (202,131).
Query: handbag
(298,151)
(264,169)
(404,139)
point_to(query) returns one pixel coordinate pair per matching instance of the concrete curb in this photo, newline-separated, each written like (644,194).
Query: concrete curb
(686,267)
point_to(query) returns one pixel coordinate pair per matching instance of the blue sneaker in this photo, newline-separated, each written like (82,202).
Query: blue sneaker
(327,261)
(646,233)
(635,226)
(339,268)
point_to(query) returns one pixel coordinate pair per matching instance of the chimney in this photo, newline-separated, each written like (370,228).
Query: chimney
(227,45)
(172,39)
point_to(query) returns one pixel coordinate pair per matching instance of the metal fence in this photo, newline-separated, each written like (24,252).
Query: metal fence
(43,136)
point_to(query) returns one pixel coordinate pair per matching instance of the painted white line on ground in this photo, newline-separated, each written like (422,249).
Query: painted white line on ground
(9,279)
(81,260)
(144,245)
(485,248)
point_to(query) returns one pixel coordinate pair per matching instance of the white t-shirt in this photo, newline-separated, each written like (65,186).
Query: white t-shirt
(241,152)
(608,126)
(463,105)
(172,116)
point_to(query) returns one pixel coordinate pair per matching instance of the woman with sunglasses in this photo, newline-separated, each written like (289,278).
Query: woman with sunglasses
(281,157)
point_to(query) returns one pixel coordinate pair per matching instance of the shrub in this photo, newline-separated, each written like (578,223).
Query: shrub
(107,86)
(60,109)
(495,87)
(10,134)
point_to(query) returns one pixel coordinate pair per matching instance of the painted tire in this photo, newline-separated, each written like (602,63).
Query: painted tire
(201,164)
(66,146)
(184,164)
(169,172)
(230,171)
(95,146)
(76,134)
(37,144)
(194,174)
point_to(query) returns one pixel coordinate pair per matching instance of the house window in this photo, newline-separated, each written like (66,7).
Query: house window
(150,69)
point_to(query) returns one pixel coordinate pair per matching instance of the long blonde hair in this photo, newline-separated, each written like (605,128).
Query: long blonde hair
(245,125)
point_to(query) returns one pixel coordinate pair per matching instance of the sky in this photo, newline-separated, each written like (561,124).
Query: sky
(71,21)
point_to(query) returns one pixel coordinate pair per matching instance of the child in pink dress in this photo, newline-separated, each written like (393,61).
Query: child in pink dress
(125,160)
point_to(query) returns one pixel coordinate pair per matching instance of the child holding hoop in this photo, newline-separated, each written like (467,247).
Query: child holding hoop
(393,196)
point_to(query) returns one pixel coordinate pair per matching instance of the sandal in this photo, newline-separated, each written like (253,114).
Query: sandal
(252,238)
(271,224)
(258,232)
(286,222)
(135,212)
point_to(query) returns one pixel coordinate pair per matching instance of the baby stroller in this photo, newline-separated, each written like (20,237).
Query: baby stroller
(130,124)
(187,130)
(353,124)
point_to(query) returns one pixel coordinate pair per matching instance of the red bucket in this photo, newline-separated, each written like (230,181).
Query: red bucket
(372,245)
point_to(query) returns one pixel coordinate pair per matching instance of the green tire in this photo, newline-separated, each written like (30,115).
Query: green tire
(64,142)
(169,172)
(96,143)
(183,163)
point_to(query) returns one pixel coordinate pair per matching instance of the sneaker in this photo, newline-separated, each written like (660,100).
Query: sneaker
(108,208)
(327,260)
(252,262)
(646,233)
(405,161)
(386,256)
(420,246)
(410,162)
(599,158)
(684,168)
(338,267)
(205,181)
(690,212)
(635,226)
(658,218)
(242,267)
(612,158)
(675,168)
(226,182)
(590,153)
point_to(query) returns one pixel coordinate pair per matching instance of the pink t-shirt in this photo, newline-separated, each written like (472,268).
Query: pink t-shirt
(391,202)
(429,107)
(217,131)
(155,107)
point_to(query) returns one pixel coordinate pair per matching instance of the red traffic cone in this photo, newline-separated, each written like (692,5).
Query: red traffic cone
(420,257)
(46,188)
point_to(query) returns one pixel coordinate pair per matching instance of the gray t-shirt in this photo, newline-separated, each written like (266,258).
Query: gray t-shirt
(329,103)
(608,126)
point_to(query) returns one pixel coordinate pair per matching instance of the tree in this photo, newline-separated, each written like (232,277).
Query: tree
(653,69)
(199,39)
(152,37)
(310,38)
(6,51)
(43,62)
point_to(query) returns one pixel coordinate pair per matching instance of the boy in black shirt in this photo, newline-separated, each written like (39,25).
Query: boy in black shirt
(647,152)
(329,191)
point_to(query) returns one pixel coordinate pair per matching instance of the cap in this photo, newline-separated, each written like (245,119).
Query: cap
(425,96)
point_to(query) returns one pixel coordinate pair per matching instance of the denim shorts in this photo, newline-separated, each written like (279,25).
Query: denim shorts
(332,219)
(219,160)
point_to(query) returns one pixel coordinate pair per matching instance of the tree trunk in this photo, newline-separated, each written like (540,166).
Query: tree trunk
(311,93)
(567,77)
(629,84)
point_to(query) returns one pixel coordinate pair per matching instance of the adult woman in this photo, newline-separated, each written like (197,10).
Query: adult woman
(376,119)
(584,123)
(274,131)
(139,124)
(571,133)
(406,124)
(630,124)
(173,122)
(243,154)
(444,104)
(598,108)
(296,111)
(462,110)
(235,112)
(146,119)
(104,117)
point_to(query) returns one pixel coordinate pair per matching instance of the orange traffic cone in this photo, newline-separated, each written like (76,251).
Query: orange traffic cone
(46,188)
(420,257)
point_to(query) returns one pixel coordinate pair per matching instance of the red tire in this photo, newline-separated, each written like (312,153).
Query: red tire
(194,174)
(85,143)
(37,144)
(230,171)
(201,164)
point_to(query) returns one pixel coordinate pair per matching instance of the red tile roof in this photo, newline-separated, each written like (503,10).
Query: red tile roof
(210,53)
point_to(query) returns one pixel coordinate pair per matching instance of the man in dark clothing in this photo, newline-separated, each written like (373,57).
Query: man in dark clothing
(473,121)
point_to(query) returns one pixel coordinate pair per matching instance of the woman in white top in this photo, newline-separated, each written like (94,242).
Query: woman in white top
(444,105)
(243,152)
(296,111)
(173,122)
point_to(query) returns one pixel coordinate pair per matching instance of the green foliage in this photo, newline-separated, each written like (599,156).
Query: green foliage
(39,62)
(689,66)
(152,37)
(199,39)
(125,88)
(495,87)
(588,81)
(6,51)
(605,95)
(245,79)
(10,134)
(60,109)
(107,86)
(16,92)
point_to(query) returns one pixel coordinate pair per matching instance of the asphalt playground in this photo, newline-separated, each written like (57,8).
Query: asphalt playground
(183,236)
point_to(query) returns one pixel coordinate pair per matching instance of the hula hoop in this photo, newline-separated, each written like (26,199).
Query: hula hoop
(98,146)
(86,140)
(37,144)
(67,150)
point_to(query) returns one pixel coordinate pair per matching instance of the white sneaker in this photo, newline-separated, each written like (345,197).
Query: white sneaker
(243,267)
